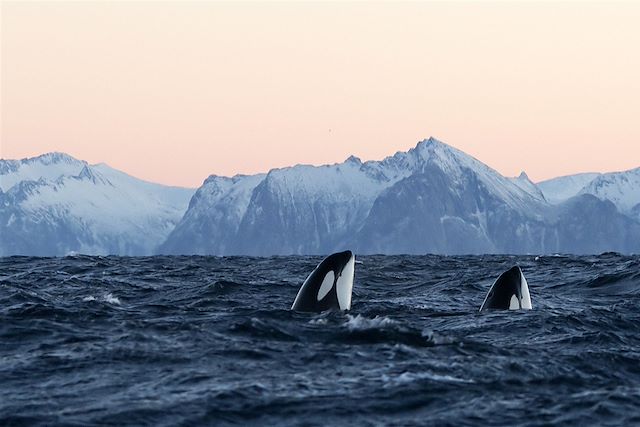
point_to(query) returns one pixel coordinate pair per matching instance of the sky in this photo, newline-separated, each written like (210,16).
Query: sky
(172,92)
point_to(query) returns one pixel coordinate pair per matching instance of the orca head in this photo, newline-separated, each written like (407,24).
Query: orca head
(329,285)
(509,292)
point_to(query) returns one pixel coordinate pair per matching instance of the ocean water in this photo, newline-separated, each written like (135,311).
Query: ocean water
(211,341)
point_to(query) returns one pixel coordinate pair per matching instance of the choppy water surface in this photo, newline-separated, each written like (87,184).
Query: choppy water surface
(203,340)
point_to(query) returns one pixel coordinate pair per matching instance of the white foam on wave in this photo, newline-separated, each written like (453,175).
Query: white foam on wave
(111,299)
(436,338)
(89,298)
(409,377)
(360,323)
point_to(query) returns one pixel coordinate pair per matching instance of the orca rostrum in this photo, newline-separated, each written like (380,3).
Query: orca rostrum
(509,292)
(329,285)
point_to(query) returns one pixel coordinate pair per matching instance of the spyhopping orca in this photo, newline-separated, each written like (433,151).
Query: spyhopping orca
(329,285)
(509,292)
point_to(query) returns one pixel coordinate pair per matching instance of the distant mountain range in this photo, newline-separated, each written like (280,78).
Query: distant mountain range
(430,199)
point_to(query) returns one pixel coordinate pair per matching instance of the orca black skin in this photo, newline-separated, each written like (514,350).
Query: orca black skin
(329,286)
(509,292)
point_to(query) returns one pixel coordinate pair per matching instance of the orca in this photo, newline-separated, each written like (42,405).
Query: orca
(329,285)
(509,292)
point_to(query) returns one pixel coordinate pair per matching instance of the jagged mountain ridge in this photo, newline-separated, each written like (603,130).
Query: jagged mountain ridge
(562,188)
(432,198)
(620,188)
(308,209)
(54,204)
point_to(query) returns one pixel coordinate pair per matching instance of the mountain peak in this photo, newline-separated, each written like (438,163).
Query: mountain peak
(89,174)
(353,159)
(429,147)
(430,142)
(446,157)
(53,158)
(50,166)
(523,176)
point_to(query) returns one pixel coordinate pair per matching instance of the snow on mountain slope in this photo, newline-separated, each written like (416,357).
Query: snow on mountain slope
(308,209)
(528,186)
(315,209)
(455,162)
(55,204)
(589,225)
(290,210)
(431,198)
(557,190)
(50,167)
(621,188)
(211,223)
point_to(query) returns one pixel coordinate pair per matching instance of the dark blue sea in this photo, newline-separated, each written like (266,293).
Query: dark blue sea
(211,341)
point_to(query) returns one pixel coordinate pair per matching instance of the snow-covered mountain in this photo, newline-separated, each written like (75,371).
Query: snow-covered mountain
(55,204)
(621,188)
(432,198)
(300,209)
(307,209)
(585,224)
(557,190)
(211,223)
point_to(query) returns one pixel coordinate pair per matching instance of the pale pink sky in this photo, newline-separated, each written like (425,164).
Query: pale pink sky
(173,91)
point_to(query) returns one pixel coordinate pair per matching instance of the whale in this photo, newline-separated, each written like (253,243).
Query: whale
(510,291)
(329,285)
